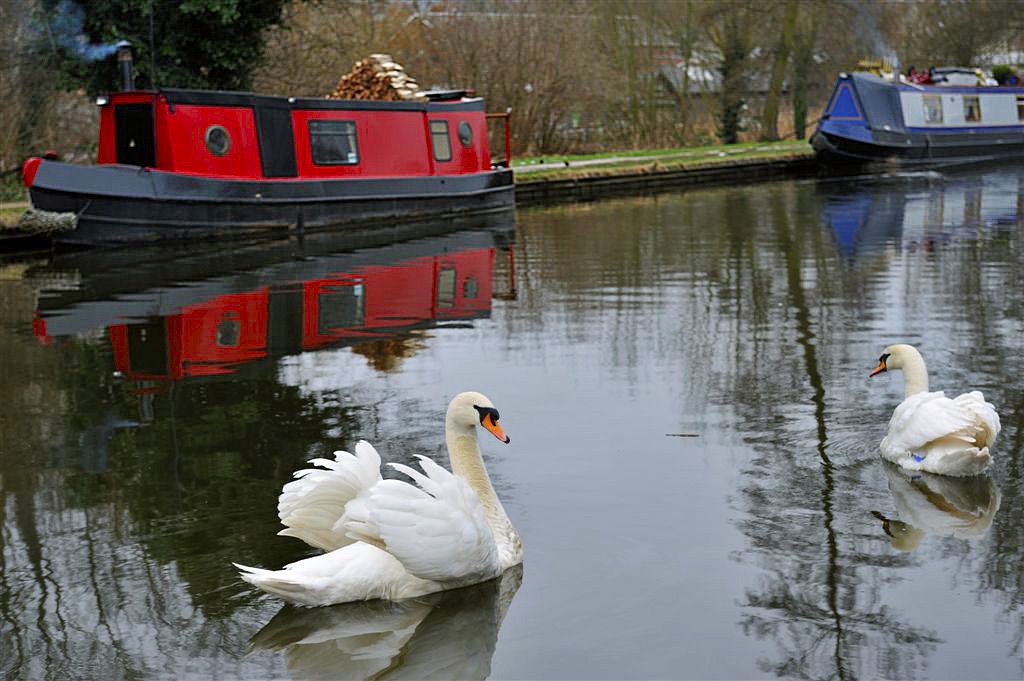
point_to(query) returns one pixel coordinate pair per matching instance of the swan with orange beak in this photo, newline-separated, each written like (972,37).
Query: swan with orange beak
(392,539)
(931,432)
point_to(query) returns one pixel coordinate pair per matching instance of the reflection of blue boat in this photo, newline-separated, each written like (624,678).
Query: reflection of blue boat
(914,208)
(870,119)
(863,220)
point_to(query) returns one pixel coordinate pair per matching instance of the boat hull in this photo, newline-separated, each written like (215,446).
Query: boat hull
(836,150)
(124,204)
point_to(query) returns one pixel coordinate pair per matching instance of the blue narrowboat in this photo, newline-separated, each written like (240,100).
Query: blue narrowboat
(870,119)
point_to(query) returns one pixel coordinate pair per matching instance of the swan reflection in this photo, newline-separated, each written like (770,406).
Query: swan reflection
(450,635)
(939,505)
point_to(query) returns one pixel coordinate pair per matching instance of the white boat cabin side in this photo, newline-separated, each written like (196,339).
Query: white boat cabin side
(933,108)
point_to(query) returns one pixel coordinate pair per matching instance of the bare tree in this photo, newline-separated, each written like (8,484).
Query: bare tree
(770,114)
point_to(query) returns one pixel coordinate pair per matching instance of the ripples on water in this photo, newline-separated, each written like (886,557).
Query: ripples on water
(155,407)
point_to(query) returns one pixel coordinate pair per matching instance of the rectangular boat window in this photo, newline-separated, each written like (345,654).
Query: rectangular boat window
(933,109)
(446,281)
(442,143)
(972,108)
(341,307)
(334,143)
(1020,107)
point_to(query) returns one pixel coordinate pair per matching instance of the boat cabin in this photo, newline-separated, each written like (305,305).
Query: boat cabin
(235,135)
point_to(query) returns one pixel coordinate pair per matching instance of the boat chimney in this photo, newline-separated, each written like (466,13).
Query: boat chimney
(125,65)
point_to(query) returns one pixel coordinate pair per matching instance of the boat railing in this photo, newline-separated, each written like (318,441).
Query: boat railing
(506,117)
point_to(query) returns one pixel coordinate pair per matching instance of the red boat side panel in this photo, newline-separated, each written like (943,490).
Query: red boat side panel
(229,329)
(390,143)
(181,141)
(465,159)
(399,296)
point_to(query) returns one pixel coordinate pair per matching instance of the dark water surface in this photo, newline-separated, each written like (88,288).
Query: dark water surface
(153,410)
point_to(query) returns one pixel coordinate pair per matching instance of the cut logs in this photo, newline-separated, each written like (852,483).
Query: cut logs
(377,77)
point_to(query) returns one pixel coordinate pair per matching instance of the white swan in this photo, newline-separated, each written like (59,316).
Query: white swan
(390,539)
(930,432)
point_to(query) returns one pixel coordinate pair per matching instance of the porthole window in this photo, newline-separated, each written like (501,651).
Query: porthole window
(470,288)
(229,331)
(218,141)
(465,133)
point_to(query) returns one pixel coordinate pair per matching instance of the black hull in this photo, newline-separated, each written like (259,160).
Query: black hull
(918,151)
(124,204)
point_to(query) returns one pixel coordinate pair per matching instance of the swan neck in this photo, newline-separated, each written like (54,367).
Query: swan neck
(468,464)
(915,375)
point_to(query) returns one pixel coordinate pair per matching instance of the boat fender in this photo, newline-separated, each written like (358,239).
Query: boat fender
(37,221)
(29,169)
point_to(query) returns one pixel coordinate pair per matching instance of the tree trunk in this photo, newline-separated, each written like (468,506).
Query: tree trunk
(803,53)
(770,115)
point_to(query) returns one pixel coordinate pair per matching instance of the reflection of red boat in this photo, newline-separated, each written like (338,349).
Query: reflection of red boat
(214,328)
(198,164)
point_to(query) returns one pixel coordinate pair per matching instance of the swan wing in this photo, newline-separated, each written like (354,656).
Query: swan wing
(438,530)
(984,413)
(923,418)
(312,506)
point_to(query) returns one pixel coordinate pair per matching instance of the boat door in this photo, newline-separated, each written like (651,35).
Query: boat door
(133,125)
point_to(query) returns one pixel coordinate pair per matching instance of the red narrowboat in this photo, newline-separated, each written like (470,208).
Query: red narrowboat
(176,164)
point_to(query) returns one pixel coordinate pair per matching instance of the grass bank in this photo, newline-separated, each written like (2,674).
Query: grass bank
(10,211)
(548,166)
(554,178)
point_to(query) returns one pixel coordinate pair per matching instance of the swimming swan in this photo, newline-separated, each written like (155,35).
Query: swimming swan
(930,432)
(388,538)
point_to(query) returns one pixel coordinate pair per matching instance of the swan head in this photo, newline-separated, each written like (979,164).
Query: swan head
(469,409)
(897,357)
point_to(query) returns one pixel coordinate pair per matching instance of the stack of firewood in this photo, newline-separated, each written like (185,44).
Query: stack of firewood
(377,77)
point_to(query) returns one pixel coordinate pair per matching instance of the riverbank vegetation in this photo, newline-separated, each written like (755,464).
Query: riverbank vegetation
(577,76)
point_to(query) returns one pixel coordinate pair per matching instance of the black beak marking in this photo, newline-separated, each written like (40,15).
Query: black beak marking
(485,411)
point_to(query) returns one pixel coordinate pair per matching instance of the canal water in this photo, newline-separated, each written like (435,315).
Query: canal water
(693,464)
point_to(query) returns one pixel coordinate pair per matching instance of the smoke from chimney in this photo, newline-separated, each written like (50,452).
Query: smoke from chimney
(65,26)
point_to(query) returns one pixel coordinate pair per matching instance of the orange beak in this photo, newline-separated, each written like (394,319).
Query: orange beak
(878,369)
(492,425)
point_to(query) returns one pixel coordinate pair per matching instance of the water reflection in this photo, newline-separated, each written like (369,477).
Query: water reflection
(919,210)
(166,331)
(448,635)
(937,505)
(147,438)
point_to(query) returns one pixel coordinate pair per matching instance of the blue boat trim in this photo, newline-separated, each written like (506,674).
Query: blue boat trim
(843,106)
(968,128)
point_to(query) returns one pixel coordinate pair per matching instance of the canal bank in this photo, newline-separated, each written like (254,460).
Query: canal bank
(587,179)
